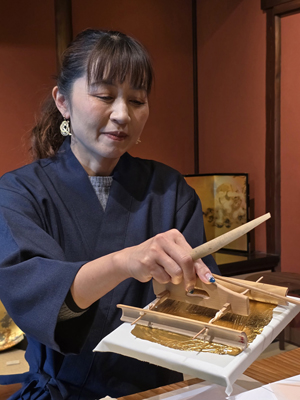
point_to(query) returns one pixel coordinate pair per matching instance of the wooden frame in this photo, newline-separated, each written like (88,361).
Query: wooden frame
(275,10)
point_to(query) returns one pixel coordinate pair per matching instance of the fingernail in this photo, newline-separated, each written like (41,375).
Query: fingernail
(210,278)
(190,289)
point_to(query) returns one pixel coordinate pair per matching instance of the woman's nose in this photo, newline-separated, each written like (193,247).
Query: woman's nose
(120,112)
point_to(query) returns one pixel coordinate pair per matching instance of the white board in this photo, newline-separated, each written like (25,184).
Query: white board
(220,369)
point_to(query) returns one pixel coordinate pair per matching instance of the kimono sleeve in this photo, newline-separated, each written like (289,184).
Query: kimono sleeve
(34,274)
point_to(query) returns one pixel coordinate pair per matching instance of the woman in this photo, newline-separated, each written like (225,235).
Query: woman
(86,226)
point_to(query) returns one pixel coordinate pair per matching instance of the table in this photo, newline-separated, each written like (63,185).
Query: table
(275,368)
(7,390)
(161,390)
(267,370)
(291,280)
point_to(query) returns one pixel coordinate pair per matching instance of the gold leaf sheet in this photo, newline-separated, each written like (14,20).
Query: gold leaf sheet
(253,324)
(10,334)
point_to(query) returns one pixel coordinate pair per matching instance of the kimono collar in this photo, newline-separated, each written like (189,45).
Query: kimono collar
(129,172)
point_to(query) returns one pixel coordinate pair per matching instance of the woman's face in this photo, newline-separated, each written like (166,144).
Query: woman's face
(107,119)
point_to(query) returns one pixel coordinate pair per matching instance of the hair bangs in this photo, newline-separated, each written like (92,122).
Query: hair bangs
(115,59)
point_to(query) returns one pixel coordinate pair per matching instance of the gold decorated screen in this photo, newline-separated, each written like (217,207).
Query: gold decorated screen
(224,204)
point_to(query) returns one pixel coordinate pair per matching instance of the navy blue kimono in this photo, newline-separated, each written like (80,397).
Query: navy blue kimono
(51,223)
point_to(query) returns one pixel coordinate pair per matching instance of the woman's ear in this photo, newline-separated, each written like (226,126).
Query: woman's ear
(61,102)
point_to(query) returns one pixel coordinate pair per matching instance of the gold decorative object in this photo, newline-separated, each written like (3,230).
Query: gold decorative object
(10,333)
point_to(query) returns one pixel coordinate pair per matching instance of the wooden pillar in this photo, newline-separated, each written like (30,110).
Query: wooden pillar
(273,169)
(63,27)
(195,87)
(275,10)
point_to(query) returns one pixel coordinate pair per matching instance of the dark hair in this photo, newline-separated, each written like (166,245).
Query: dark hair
(101,55)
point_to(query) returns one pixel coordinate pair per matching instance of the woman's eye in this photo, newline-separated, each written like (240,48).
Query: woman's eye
(105,98)
(137,102)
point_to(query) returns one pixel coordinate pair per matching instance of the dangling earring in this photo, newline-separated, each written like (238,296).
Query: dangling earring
(138,141)
(65,127)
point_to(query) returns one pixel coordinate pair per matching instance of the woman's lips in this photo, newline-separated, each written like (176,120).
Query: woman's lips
(116,135)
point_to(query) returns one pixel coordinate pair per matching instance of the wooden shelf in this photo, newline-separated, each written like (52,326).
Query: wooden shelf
(238,263)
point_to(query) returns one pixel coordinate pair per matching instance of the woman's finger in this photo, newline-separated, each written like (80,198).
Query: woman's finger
(203,272)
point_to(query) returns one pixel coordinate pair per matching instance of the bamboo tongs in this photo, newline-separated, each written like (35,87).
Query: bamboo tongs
(224,295)
(217,295)
(214,245)
(213,295)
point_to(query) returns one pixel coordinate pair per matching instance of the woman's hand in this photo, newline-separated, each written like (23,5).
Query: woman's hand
(166,258)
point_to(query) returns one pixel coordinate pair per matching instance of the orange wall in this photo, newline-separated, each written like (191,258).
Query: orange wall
(27,51)
(165,29)
(290,143)
(27,54)
(231,51)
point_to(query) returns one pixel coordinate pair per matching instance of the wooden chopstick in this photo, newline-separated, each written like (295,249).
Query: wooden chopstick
(256,289)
